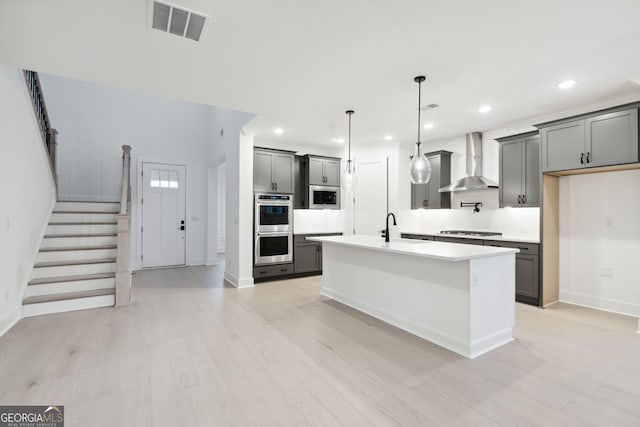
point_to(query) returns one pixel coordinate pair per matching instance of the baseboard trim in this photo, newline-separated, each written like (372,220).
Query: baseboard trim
(604,304)
(197,261)
(212,261)
(245,282)
(10,319)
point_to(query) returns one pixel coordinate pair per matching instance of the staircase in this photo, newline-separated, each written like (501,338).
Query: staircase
(76,265)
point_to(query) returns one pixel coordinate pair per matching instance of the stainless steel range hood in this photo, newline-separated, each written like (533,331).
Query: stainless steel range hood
(474,179)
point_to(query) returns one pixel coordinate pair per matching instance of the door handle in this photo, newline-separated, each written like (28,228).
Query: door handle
(582,158)
(589,157)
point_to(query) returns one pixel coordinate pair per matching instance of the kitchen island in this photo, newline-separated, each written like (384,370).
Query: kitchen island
(458,296)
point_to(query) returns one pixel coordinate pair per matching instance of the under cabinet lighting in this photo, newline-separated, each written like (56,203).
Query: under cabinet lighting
(278,131)
(485,108)
(429,125)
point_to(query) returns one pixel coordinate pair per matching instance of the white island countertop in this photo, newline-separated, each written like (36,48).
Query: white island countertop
(422,248)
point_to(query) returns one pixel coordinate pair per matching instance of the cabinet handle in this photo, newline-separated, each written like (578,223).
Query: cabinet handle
(424,203)
(588,157)
(524,199)
(276,185)
(519,199)
(582,158)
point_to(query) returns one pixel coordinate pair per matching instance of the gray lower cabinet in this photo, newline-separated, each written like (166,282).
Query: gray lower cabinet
(520,170)
(273,171)
(527,270)
(261,272)
(599,139)
(307,255)
(459,240)
(426,196)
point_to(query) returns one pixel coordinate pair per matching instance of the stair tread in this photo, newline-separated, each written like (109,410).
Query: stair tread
(84,223)
(84,201)
(78,248)
(78,277)
(74,262)
(67,296)
(87,212)
(80,235)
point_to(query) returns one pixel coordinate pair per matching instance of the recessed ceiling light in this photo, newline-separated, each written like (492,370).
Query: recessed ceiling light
(278,131)
(567,84)
(339,140)
(388,138)
(429,125)
(485,108)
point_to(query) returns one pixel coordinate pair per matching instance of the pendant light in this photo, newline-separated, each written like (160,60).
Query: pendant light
(349,176)
(419,167)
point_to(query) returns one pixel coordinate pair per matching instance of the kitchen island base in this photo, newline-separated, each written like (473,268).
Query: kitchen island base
(466,306)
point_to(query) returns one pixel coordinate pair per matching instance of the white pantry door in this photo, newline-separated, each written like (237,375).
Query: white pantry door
(370,196)
(163,215)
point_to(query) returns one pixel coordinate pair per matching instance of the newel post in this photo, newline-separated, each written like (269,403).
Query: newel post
(123,257)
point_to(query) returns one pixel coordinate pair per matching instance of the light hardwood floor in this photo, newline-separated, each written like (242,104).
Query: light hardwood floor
(192,352)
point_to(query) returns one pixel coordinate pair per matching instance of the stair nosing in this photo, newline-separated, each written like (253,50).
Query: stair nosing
(76,278)
(54,236)
(83,223)
(48,264)
(68,296)
(79,248)
(86,212)
(83,201)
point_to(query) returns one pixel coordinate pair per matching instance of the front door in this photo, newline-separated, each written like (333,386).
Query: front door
(163,215)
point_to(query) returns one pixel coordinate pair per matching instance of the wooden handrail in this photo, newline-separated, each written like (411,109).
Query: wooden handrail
(125,197)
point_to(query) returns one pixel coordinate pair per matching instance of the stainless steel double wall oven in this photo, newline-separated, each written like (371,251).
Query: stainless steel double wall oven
(273,218)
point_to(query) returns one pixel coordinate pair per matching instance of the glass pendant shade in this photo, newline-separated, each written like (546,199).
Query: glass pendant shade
(419,167)
(348,179)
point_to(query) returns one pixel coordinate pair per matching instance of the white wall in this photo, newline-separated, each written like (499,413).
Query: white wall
(228,144)
(95,121)
(600,237)
(27,194)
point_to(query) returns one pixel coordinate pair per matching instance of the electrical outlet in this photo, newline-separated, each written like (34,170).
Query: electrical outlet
(608,222)
(606,272)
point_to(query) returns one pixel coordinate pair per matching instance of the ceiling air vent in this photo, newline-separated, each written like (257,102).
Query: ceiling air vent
(179,21)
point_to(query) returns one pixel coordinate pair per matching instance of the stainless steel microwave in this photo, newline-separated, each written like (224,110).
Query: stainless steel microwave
(324,197)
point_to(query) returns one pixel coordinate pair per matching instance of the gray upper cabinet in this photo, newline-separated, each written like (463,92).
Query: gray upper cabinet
(520,170)
(426,196)
(612,139)
(595,140)
(272,171)
(324,171)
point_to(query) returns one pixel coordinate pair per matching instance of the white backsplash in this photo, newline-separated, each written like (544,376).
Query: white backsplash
(310,221)
(513,222)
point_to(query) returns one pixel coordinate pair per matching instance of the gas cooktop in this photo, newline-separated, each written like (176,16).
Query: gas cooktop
(471,233)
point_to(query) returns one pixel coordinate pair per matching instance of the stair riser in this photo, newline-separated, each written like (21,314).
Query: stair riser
(29,310)
(87,207)
(73,242)
(75,255)
(81,229)
(72,270)
(82,217)
(65,287)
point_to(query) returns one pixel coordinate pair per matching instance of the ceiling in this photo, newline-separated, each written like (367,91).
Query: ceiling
(300,64)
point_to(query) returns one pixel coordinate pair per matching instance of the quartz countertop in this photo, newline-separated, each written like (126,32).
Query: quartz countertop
(503,238)
(422,248)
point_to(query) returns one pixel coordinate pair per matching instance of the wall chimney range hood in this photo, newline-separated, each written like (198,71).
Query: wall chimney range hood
(474,179)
